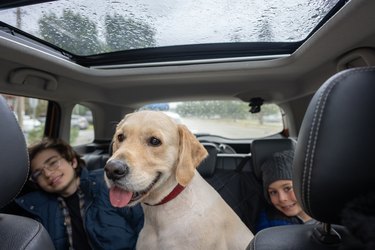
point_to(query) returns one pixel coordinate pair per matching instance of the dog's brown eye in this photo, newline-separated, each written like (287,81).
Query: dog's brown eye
(154,141)
(120,137)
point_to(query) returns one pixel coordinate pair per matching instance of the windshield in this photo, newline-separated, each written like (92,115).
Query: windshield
(228,119)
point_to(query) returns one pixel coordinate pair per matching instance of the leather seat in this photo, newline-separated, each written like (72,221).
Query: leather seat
(16,232)
(334,162)
(95,161)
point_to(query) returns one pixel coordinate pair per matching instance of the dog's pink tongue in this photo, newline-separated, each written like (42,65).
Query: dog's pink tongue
(119,197)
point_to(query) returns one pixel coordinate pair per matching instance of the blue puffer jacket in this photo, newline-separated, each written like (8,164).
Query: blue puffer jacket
(265,221)
(107,227)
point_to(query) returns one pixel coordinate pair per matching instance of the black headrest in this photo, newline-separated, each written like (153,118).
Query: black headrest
(335,153)
(208,165)
(95,161)
(14,161)
(261,149)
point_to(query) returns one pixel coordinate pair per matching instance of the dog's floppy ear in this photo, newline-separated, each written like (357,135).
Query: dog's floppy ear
(191,153)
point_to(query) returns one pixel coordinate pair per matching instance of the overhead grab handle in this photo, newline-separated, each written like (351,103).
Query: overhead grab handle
(33,77)
(362,57)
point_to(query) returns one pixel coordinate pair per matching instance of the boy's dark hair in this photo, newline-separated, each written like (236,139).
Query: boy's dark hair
(63,148)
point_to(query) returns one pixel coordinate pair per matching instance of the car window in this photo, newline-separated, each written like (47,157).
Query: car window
(30,114)
(81,126)
(229,119)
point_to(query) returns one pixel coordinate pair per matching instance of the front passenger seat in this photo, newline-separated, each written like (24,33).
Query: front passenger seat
(16,232)
(334,163)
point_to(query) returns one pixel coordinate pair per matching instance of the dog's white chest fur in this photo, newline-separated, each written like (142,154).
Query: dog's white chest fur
(198,218)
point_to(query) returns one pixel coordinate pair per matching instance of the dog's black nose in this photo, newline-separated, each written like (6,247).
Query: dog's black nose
(116,169)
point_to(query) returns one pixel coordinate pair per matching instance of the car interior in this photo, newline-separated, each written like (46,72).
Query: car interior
(301,73)
(16,232)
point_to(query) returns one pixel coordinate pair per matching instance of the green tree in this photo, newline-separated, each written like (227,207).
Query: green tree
(79,35)
(127,33)
(35,135)
(266,110)
(41,108)
(235,110)
(71,32)
(80,110)
(265,32)
(270,109)
(212,109)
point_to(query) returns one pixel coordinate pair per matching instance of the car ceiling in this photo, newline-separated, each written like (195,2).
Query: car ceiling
(34,72)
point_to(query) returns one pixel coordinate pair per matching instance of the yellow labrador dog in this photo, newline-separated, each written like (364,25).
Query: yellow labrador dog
(154,162)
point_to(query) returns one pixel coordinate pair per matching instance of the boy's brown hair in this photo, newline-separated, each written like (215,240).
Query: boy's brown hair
(63,148)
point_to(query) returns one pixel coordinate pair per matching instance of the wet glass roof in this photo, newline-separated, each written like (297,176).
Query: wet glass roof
(91,27)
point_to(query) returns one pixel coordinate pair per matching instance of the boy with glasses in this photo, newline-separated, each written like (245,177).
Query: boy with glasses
(73,203)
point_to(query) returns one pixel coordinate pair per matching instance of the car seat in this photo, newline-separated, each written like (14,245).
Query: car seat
(16,232)
(333,165)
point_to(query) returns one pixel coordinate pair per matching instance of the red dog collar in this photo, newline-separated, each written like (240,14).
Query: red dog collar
(177,189)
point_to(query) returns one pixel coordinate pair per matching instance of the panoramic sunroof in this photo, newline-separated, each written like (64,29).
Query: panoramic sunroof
(91,27)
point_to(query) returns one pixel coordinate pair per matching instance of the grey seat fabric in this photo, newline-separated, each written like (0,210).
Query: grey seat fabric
(16,232)
(334,162)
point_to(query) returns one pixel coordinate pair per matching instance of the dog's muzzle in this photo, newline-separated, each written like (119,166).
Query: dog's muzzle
(116,169)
